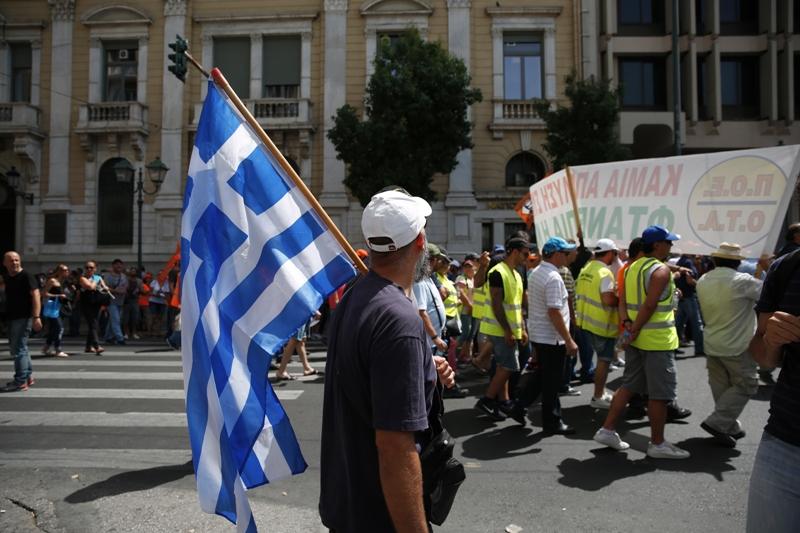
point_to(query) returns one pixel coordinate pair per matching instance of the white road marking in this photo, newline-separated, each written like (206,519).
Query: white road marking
(121,394)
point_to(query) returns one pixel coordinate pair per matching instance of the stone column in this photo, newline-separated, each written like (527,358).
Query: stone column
(460,192)
(36,72)
(256,65)
(62,13)
(141,70)
(5,72)
(169,197)
(333,170)
(95,66)
(590,65)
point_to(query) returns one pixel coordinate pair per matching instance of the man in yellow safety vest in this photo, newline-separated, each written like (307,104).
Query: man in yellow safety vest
(596,314)
(649,321)
(503,326)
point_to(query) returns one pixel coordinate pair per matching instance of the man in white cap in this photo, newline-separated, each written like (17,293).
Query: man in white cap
(596,314)
(380,381)
(727,298)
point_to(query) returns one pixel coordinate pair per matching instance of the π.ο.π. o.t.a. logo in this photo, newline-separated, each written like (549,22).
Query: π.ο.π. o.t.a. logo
(736,200)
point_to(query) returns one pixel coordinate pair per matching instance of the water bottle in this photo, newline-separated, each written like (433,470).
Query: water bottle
(623,340)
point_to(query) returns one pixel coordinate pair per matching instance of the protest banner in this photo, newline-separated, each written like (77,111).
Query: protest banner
(738,197)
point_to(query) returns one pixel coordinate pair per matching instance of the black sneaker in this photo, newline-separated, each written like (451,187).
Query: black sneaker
(676,412)
(489,407)
(455,392)
(13,386)
(517,413)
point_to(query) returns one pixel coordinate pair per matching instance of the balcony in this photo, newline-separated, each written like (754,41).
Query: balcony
(108,117)
(114,122)
(274,113)
(20,117)
(514,115)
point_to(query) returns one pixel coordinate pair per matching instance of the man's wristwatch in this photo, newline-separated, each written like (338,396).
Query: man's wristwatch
(35,317)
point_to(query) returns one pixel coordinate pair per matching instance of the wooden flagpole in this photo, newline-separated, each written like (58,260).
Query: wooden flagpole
(574,196)
(220,80)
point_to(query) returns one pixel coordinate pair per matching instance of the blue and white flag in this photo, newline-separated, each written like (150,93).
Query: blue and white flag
(256,262)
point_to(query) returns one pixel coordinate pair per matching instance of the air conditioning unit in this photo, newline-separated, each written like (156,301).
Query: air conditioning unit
(123,54)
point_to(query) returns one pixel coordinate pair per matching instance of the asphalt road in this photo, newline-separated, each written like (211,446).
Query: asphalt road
(99,444)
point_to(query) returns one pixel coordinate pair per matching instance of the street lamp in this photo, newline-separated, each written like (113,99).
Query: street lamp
(12,179)
(156,171)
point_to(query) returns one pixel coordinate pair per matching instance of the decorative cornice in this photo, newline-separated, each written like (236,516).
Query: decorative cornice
(62,10)
(547,11)
(175,8)
(306,15)
(451,4)
(90,18)
(335,5)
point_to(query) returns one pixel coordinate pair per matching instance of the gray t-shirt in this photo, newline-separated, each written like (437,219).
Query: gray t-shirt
(379,374)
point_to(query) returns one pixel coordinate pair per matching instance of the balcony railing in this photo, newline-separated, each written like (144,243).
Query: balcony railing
(19,116)
(519,109)
(273,112)
(117,116)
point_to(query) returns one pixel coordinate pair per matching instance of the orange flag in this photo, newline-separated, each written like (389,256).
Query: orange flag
(174,260)
(525,210)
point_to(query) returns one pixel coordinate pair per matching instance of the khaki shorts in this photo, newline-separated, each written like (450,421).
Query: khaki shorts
(650,372)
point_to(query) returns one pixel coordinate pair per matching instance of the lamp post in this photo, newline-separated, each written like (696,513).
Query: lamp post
(156,171)
(12,177)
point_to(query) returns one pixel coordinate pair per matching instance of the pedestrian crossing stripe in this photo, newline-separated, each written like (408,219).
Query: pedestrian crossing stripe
(122,394)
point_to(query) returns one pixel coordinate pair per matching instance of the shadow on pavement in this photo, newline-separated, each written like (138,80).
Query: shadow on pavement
(131,482)
(508,441)
(609,465)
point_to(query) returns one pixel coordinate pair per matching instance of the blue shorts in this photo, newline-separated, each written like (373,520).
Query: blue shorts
(467,325)
(505,356)
(602,346)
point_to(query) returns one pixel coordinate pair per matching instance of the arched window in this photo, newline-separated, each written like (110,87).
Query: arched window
(114,207)
(524,169)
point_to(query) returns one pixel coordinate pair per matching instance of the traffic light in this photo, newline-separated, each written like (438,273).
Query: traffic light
(178,68)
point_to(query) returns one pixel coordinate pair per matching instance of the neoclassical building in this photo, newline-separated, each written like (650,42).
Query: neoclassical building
(84,85)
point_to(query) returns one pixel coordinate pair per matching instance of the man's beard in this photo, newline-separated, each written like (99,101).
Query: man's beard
(423,267)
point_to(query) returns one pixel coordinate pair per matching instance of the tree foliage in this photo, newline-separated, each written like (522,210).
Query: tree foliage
(415,119)
(585,132)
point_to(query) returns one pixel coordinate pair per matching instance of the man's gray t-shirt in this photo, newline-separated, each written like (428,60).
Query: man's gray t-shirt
(379,374)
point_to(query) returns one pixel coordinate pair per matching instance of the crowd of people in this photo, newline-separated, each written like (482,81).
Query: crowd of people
(110,306)
(536,320)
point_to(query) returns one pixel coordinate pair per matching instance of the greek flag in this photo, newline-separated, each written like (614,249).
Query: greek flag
(256,262)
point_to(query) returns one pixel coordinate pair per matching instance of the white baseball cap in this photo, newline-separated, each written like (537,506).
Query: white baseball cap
(605,245)
(394,215)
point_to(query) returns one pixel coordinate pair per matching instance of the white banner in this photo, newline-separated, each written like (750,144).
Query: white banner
(737,197)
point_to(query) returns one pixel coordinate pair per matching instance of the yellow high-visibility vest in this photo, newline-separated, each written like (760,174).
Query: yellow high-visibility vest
(591,314)
(659,333)
(451,302)
(479,300)
(512,303)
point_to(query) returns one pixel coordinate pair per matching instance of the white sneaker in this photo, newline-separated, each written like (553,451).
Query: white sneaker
(666,450)
(135,336)
(604,402)
(610,439)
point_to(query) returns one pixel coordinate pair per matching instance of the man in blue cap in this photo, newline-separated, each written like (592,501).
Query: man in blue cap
(548,328)
(646,312)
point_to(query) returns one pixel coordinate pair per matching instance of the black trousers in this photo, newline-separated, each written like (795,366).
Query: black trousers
(90,312)
(545,380)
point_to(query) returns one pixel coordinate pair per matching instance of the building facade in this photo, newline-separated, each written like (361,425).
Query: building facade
(84,84)
(739,72)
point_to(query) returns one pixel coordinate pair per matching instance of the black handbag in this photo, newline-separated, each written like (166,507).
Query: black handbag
(442,474)
(99,299)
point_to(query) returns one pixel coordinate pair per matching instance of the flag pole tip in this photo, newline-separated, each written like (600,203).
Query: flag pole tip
(216,74)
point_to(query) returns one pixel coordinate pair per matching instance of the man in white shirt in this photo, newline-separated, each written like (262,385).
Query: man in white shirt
(727,299)
(548,328)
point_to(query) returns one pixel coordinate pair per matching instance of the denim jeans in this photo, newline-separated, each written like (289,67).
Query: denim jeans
(586,356)
(774,501)
(689,311)
(18,332)
(114,323)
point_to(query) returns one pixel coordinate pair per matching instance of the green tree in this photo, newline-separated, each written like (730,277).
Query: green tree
(585,132)
(415,119)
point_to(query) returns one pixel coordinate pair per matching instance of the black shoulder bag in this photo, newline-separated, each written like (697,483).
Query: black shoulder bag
(442,474)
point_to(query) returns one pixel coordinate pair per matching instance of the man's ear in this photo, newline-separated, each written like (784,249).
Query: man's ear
(419,242)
